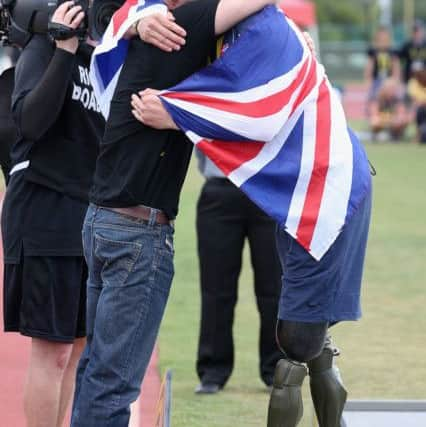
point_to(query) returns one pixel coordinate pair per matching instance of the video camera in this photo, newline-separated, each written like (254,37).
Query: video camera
(20,19)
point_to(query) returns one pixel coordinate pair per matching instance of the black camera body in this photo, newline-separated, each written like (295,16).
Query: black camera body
(20,19)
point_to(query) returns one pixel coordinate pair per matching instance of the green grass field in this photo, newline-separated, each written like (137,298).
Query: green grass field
(383,355)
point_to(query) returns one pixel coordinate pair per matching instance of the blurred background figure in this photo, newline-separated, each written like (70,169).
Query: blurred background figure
(8,132)
(417,93)
(382,63)
(225,218)
(388,113)
(413,52)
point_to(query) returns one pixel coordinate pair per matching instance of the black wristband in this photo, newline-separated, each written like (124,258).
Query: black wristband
(63,32)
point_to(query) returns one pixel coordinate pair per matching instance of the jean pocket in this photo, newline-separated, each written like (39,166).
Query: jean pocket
(118,259)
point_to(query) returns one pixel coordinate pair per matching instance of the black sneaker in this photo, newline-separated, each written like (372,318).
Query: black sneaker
(207,388)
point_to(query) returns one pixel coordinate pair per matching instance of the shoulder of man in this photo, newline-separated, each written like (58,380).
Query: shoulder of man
(196,11)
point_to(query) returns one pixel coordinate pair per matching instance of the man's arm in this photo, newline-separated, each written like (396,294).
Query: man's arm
(230,12)
(162,32)
(148,108)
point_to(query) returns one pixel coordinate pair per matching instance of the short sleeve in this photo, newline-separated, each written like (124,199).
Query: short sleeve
(30,68)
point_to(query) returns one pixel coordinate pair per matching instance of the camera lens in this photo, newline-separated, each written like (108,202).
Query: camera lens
(100,16)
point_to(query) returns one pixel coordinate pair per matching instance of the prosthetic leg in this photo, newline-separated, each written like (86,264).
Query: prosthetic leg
(285,405)
(327,391)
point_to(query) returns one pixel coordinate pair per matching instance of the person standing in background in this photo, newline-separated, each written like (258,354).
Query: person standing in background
(225,219)
(413,52)
(382,62)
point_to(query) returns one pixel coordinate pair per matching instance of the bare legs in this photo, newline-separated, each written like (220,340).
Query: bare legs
(50,381)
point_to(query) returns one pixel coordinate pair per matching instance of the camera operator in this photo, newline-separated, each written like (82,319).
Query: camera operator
(7,126)
(59,127)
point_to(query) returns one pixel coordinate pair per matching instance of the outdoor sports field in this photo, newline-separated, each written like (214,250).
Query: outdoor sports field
(383,355)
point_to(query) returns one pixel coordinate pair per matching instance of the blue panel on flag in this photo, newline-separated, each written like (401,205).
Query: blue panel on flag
(361,178)
(274,51)
(109,63)
(272,188)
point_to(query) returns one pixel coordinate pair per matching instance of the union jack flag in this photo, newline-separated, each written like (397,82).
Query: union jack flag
(267,116)
(109,56)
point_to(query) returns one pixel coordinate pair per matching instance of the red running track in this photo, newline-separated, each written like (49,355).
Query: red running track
(14,357)
(355,100)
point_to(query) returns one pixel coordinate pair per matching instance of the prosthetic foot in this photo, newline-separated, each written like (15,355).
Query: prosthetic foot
(327,391)
(285,405)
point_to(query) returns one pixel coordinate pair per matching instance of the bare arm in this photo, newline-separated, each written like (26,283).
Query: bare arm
(230,12)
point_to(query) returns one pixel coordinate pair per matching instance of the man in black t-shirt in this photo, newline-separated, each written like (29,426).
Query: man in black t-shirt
(382,62)
(413,52)
(128,231)
(53,158)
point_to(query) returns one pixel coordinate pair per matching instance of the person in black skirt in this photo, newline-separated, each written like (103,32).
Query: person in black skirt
(59,128)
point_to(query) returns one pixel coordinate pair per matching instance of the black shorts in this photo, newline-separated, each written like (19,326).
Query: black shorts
(45,297)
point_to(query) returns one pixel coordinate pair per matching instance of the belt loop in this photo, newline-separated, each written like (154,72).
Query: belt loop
(94,212)
(152,217)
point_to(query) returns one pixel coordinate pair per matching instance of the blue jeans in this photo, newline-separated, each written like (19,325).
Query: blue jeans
(130,265)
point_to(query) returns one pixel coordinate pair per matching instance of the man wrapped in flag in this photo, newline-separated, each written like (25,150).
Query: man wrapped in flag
(267,115)
(128,230)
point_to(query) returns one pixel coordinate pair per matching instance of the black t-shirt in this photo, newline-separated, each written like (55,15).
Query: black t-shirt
(382,62)
(63,157)
(8,131)
(137,164)
(45,204)
(410,54)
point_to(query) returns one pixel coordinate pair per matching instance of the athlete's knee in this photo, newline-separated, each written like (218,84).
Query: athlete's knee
(53,355)
(300,341)
(60,356)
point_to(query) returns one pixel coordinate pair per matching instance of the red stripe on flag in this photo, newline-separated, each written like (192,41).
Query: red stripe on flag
(121,15)
(260,108)
(316,185)
(229,156)
(310,83)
